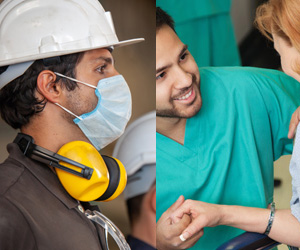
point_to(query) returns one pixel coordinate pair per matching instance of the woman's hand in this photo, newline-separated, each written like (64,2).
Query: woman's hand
(202,215)
(168,232)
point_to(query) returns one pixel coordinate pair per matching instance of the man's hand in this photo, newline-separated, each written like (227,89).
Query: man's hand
(202,215)
(168,232)
(294,123)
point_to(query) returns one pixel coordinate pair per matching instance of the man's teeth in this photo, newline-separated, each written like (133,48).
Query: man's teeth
(185,96)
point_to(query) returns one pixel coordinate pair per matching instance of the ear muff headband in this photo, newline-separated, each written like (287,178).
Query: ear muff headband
(27,146)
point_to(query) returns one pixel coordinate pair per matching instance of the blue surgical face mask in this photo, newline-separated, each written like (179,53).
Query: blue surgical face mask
(108,120)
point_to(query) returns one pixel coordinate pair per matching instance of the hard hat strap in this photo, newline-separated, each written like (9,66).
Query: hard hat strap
(51,61)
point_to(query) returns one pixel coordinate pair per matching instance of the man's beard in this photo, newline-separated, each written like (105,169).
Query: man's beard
(78,106)
(174,112)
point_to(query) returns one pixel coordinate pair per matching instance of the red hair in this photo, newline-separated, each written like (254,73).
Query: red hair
(280,17)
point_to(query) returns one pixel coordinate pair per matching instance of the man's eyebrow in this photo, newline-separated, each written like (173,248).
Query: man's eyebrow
(162,68)
(109,60)
(183,50)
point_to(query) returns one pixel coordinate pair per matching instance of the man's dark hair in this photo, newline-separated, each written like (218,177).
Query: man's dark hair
(163,18)
(134,206)
(18,102)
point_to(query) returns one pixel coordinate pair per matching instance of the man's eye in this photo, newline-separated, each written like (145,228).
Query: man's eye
(183,56)
(160,76)
(101,68)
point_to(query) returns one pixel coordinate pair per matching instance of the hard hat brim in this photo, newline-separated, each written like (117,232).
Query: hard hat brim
(67,52)
(18,66)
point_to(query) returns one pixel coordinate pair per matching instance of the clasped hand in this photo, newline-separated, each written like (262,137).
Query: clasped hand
(181,226)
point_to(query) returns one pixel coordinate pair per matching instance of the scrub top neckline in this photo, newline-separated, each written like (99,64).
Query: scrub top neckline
(189,145)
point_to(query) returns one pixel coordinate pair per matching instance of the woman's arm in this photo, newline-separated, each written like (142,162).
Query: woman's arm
(285,228)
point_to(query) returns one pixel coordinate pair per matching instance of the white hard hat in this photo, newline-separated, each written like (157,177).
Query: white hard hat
(136,149)
(37,29)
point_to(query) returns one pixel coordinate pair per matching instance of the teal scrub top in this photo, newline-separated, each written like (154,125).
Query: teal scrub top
(206,27)
(230,145)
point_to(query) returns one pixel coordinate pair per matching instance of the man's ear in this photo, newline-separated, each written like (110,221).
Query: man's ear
(47,87)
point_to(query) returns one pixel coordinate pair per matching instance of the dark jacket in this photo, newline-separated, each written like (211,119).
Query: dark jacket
(37,213)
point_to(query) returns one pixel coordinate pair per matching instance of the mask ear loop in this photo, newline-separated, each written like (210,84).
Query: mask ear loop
(75,80)
(70,112)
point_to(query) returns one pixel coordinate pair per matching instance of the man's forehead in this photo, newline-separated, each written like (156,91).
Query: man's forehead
(98,55)
(165,36)
(168,46)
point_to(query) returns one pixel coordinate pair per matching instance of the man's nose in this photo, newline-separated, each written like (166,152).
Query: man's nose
(115,72)
(182,79)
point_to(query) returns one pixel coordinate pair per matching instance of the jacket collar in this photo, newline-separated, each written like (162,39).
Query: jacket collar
(43,174)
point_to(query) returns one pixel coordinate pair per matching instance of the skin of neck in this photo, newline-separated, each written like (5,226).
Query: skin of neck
(173,128)
(51,130)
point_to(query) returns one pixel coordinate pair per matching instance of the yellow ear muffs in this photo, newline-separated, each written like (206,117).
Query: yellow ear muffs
(108,179)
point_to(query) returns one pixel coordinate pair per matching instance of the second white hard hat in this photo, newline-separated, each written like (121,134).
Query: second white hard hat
(136,149)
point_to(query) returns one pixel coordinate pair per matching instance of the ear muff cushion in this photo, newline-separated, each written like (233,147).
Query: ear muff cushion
(114,174)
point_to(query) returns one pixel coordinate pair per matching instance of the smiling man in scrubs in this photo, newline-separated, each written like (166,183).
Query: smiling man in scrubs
(219,130)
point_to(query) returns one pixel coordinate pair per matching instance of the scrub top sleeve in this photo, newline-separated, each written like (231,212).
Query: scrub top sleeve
(281,95)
